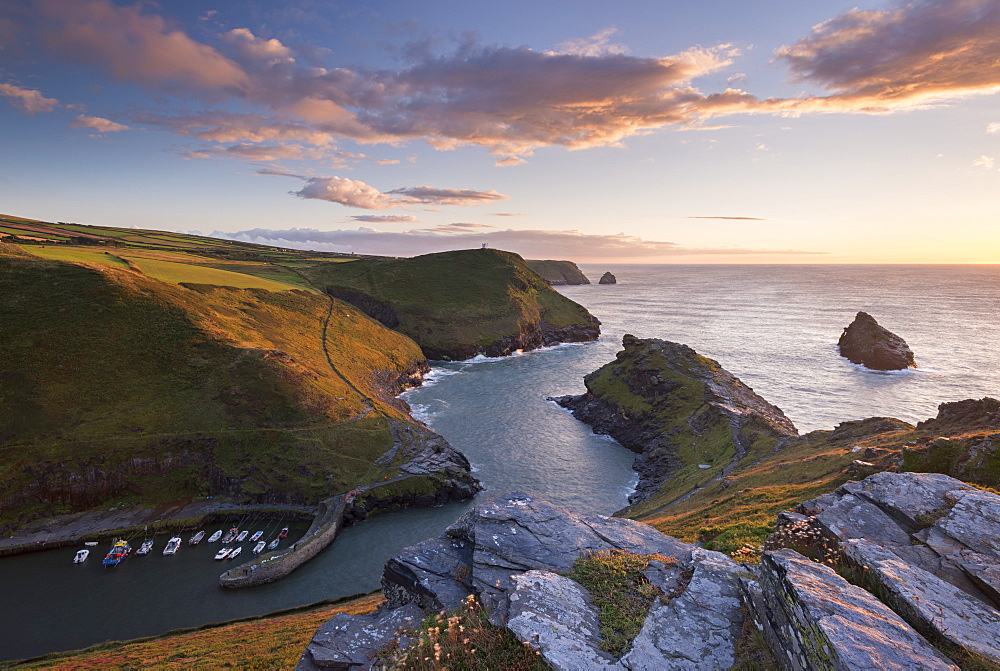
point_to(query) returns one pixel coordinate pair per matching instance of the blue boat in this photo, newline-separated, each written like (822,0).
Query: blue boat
(118,553)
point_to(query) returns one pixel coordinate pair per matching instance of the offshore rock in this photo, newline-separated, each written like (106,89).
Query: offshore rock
(818,620)
(608,278)
(658,397)
(872,346)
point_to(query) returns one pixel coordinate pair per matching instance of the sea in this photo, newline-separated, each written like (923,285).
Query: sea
(773,326)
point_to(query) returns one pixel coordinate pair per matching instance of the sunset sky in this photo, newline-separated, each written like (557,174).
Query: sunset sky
(645,132)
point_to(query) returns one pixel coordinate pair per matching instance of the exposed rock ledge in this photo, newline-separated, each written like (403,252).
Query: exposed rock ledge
(939,583)
(608,278)
(873,346)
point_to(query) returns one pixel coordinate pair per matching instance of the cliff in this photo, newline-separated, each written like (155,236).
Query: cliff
(689,419)
(456,305)
(558,273)
(119,388)
(915,587)
(865,342)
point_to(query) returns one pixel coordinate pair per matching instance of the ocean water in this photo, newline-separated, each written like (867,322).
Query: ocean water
(775,327)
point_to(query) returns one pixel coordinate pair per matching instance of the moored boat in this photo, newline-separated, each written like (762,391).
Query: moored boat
(144,548)
(223,553)
(284,533)
(81,556)
(235,552)
(242,537)
(257,549)
(119,551)
(173,545)
(196,538)
(256,536)
(273,544)
(231,535)
(216,536)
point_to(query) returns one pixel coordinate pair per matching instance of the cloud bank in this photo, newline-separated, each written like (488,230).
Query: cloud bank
(529,243)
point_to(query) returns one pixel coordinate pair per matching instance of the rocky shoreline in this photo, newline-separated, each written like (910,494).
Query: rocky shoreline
(937,579)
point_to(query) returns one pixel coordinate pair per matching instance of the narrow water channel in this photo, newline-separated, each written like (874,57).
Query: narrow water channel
(494,410)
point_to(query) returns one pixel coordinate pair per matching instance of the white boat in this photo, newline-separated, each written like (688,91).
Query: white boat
(235,552)
(223,553)
(144,548)
(81,556)
(91,543)
(196,538)
(216,536)
(257,549)
(273,544)
(230,535)
(242,537)
(256,536)
(173,545)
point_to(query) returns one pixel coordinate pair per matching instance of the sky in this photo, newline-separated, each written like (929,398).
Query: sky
(776,131)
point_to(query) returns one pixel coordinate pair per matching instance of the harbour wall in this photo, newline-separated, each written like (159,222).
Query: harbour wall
(277,564)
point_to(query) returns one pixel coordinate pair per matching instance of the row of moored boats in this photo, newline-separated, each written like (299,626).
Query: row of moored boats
(121,548)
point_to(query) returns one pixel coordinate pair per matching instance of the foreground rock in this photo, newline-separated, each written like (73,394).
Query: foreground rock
(928,542)
(513,552)
(679,410)
(872,346)
(608,278)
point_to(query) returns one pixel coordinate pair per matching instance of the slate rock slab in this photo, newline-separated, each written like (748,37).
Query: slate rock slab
(821,621)
(923,598)
(352,641)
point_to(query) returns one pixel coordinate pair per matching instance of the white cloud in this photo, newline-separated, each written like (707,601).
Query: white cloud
(985,162)
(993,127)
(97,123)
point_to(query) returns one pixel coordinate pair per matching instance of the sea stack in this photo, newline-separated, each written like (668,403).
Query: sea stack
(608,278)
(872,346)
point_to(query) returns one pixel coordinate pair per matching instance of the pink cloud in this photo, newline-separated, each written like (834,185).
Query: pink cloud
(354,193)
(28,100)
(915,52)
(97,123)
(134,45)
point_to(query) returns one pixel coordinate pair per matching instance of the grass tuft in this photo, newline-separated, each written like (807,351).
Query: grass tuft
(620,591)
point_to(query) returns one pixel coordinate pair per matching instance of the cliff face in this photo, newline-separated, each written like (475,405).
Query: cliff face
(932,561)
(865,342)
(687,417)
(456,305)
(558,273)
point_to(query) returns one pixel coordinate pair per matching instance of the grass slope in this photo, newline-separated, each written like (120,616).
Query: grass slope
(269,642)
(454,304)
(118,387)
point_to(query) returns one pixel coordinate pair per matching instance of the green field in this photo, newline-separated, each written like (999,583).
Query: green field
(76,254)
(178,273)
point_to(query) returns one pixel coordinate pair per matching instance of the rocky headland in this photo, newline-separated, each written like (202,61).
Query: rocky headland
(865,342)
(899,570)
(686,416)
(558,273)
(456,305)
(608,278)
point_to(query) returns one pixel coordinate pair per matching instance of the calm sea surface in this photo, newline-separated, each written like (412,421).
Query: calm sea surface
(775,327)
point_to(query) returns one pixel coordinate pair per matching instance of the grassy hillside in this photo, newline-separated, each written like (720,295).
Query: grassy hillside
(119,387)
(558,272)
(270,642)
(457,304)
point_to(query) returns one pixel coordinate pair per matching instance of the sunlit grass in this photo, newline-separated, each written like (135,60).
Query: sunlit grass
(261,643)
(178,273)
(76,254)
